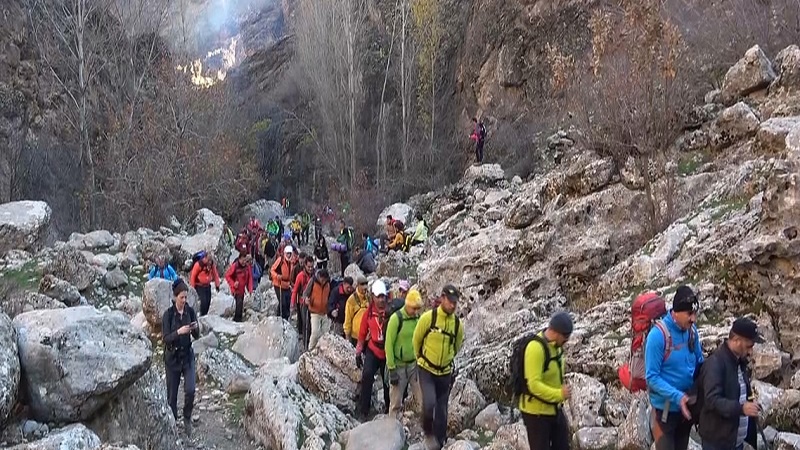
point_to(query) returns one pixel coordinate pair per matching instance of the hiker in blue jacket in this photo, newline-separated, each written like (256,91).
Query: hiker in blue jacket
(672,357)
(162,270)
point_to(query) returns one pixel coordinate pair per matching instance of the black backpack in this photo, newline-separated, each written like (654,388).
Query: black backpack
(519,384)
(481,131)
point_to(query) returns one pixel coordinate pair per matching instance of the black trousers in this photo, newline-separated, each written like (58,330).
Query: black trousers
(304,324)
(344,261)
(372,366)
(204,292)
(175,371)
(284,302)
(305,236)
(237,315)
(547,432)
(479,151)
(435,396)
(672,434)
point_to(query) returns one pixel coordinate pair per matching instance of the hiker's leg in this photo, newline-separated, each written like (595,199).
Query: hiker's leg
(367,380)
(440,414)
(538,430)
(428,389)
(559,438)
(414,385)
(204,293)
(188,386)
(173,380)
(237,315)
(396,393)
(663,432)
(279,296)
(385,383)
(316,330)
(682,432)
(286,303)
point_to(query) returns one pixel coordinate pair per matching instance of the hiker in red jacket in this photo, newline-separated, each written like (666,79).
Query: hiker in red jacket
(240,279)
(478,135)
(371,341)
(298,301)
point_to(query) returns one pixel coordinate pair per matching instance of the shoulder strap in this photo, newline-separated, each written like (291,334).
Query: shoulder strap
(546,364)
(667,338)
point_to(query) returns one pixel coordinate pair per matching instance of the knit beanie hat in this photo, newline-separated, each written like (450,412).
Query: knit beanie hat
(561,323)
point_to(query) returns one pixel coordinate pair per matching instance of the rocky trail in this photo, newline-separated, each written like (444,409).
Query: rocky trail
(80,364)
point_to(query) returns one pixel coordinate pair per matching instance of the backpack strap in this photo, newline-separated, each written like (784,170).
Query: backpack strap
(451,336)
(667,339)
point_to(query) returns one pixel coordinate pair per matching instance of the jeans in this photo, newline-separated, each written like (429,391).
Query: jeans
(547,432)
(672,434)
(185,368)
(408,376)
(239,299)
(320,324)
(372,366)
(435,396)
(204,292)
(284,302)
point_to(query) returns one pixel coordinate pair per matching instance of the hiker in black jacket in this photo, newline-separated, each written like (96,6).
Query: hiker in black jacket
(179,324)
(728,416)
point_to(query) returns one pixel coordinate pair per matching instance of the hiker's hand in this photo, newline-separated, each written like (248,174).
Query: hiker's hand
(394,377)
(218,289)
(685,407)
(359,360)
(186,329)
(335,313)
(751,409)
(565,392)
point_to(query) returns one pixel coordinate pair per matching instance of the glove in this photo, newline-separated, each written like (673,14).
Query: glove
(394,377)
(359,360)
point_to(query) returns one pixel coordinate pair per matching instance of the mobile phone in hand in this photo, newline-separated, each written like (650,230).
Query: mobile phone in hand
(193,325)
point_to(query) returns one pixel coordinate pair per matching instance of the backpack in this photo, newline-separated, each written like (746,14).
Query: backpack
(432,327)
(646,310)
(198,256)
(258,272)
(481,131)
(519,384)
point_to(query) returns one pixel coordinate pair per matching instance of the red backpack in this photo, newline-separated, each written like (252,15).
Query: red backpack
(646,310)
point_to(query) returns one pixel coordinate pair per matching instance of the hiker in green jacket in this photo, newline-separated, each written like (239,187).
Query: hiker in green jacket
(400,358)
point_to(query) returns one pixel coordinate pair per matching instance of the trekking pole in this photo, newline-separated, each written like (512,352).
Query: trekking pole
(763,437)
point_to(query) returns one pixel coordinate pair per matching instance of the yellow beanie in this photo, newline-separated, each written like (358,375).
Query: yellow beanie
(414,299)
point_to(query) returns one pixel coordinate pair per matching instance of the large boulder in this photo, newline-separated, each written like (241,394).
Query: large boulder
(95,240)
(484,174)
(59,290)
(596,438)
(751,73)
(585,405)
(115,279)
(381,434)
(263,210)
(465,402)
(634,432)
(271,338)
(158,299)
(17,303)
(787,64)
(734,124)
(329,371)
(222,367)
(209,235)
(279,414)
(9,368)
(72,437)
(70,265)
(76,359)
(398,211)
(24,225)
(139,415)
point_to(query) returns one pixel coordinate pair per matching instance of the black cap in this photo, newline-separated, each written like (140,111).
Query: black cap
(451,293)
(561,322)
(685,300)
(747,329)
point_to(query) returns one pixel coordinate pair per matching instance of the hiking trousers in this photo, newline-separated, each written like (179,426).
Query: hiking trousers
(186,369)
(204,292)
(303,324)
(479,151)
(672,434)
(408,377)
(372,366)
(435,396)
(284,302)
(344,261)
(320,324)
(547,432)
(237,314)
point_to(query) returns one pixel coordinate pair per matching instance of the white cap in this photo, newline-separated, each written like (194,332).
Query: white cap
(378,288)
(288,249)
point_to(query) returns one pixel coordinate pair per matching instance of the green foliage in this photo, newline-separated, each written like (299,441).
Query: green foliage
(26,277)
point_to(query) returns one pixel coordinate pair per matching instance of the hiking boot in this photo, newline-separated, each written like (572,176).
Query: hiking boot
(187,427)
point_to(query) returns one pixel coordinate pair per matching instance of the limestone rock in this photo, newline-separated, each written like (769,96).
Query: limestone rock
(491,419)
(263,210)
(271,338)
(787,65)
(71,266)
(596,438)
(787,441)
(75,360)
(209,230)
(584,406)
(329,371)
(511,437)
(735,123)
(219,325)
(59,290)
(749,74)
(115,279)
(464,403)
(634,433)
(379,434)
(484,173)
(222,367)
(206,342)
(158,298)
(19,302)
(72,437)
(771,135)
(398,211)
(24,225)
(9,368)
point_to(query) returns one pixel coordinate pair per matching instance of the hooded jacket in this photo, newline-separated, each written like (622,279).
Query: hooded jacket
(440,345)
(354,311)
(243,274)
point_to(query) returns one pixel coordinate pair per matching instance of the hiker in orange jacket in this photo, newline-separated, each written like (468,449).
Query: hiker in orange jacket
(203,273)
(281,273)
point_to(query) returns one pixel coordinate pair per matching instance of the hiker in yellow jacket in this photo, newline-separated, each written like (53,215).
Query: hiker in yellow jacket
(354,310)
(401,360)
(541,405)
(437,340)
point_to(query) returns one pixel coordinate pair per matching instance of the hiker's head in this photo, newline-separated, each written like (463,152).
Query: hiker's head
(323,276)
(288,252)
(474,120)
(161,261)
(379,293)
(181,292)
(413,303)
(685,307)
(450,298)
(309,265)
(743,336)
(419,217)
(362,285)
(389,219)
(561,327)
(342,224)
(321,241)
(347,285)
(403,287)
(243,257)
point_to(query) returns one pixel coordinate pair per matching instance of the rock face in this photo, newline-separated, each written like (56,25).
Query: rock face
(281,415)
(158,298)
(139,415)
(71,266)
(75,360)
(263,210)
(73,437)
(749,74)
(382,434)
(9,368)
(398,211)
(271,338)
(329,372)
(59,290)
(209,230)
(24,225)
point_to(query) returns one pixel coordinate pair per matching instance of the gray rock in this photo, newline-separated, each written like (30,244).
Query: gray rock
(75,360)
(115,279)
(217,324)
(271,338)
(263,210)
(491,418)
(484,173)
(749,74)
(787,65)
(596,438)
(59,290)
(264,299)
(106,261)
(222,304)
(584,406)
(9,368)
(71,266)
(222,367)
(206,342)
(72,437)
(511,436)
(329,371)
(379,434)
(465,402)
(771,135)
(158,299)
(794,383)
(19,302)
(787,441)
(634,433)
(735,123)
(209,235)
(24,225)
(139,415)
(98,240)
(398,211)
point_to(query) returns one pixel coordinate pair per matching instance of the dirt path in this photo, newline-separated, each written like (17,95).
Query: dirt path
(217,422)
